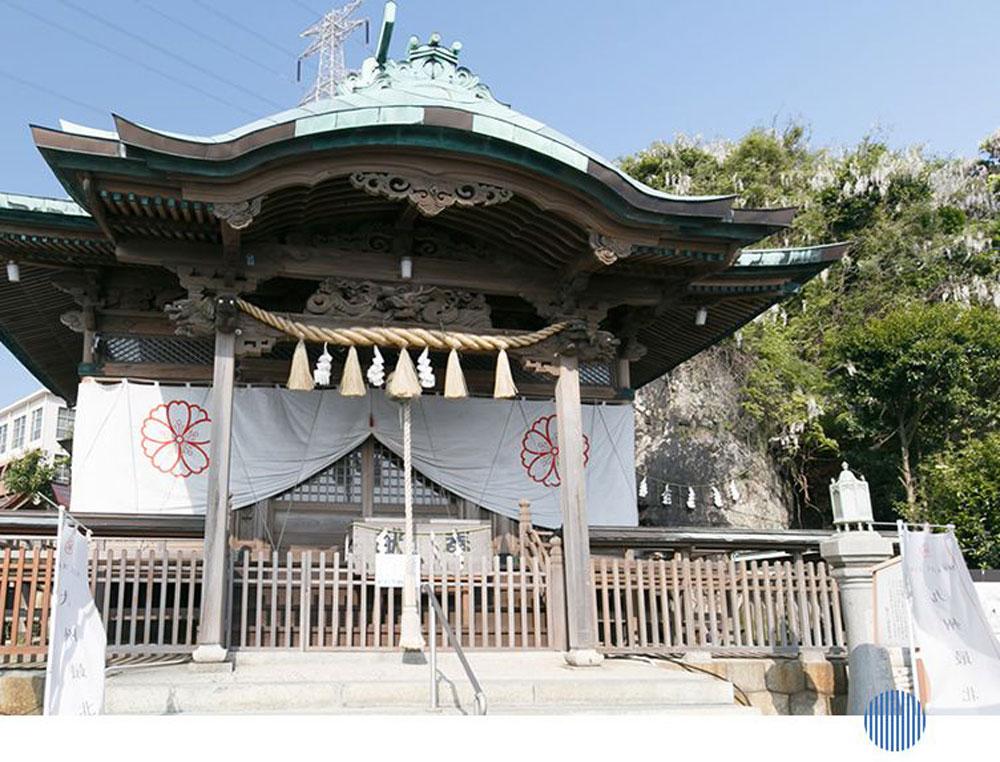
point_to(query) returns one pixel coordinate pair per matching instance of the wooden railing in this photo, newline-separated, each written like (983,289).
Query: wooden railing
(148,600)
(716,604)
(314,600)
(26,573)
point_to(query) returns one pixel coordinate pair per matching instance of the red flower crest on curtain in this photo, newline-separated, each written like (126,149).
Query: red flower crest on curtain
(175,437)
(540,451)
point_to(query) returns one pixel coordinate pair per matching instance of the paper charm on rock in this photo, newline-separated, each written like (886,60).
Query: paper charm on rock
(376,371)
(690,500)
(667,497)
(643,488)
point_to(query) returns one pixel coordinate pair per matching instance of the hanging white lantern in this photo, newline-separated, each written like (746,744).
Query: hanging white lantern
(424,370)
(376,371)
(643,487)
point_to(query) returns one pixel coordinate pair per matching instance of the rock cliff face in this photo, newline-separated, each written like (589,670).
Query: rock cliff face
(691,434)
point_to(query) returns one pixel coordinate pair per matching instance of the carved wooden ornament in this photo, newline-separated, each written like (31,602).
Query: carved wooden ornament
(430,195)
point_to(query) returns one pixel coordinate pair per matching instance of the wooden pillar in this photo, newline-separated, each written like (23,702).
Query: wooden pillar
(212,627)
(581,627)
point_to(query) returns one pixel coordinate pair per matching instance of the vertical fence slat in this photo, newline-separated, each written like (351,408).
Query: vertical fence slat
(758,616)
(619,629)
(605,608)
(29,618)
(772,635)
(497,604)
(713,623)
(727,623)
(192,583)
(4,576)
(175,625)
(640,601)
(47,591)
(791,609)
(661,565)
(471,610)
(161,623)
(335,603)
(838,622)
(522,568)
(747,608)
(654,614)
(363,608)
(536,600)
(824,597)
(509,581)
(484,601)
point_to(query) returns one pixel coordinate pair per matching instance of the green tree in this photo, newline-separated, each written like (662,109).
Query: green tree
(29,474)
(921,376)
(961,486)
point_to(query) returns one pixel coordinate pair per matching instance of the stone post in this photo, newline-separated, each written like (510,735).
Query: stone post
(851,555)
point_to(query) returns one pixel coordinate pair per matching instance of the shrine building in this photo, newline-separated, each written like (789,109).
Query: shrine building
(279,337)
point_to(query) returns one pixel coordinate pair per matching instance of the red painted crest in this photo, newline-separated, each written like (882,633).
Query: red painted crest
(175,438)
(540,451)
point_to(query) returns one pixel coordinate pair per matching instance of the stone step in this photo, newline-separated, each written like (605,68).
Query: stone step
(364,682)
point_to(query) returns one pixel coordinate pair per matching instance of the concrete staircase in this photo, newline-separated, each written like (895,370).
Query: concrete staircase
(378,682)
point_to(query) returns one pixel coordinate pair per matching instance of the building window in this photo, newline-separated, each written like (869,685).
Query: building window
(36,424)
(18,438)
(3,437)
(64,423)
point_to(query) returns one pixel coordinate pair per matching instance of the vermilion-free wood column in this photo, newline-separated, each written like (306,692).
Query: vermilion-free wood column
(212,625)
(581,627)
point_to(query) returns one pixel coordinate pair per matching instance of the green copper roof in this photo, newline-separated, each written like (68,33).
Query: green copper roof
(18,203)
(400,92)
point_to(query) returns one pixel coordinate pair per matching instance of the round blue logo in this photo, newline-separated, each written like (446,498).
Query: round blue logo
(895,720)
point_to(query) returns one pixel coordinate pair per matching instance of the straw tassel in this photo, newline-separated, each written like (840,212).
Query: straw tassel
(454,379)
(352,384)
(300,377)
(403,383)
(503,383)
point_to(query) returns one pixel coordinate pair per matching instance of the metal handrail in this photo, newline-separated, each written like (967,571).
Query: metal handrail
(436,610)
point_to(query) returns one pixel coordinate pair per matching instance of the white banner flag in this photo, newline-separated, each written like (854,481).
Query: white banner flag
(74,673)
(957,655)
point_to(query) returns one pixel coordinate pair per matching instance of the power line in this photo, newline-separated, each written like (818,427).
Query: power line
(169,53)
(130,59)
(240,25)
(214,40)
(306,8)
(53,93)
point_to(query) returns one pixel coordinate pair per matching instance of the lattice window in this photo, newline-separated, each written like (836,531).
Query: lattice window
(174,350)
(389,482)
(342,483)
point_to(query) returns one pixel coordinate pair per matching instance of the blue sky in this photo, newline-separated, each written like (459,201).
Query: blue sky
(614,76)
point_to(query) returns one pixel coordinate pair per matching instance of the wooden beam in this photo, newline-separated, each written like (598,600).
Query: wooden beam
(318,262)
(581,624)
(213,625)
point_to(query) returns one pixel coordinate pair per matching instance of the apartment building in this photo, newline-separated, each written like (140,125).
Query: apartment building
(36,422)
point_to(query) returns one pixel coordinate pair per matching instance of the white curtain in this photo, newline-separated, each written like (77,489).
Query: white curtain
(145,448)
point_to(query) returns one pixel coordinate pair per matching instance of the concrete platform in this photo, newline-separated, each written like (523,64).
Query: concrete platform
(379,682)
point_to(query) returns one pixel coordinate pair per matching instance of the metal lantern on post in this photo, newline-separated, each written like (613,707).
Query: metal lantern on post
(851,500)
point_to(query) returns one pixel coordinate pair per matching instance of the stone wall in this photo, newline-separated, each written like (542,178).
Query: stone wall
(807,685)
(21,691)
(689,431)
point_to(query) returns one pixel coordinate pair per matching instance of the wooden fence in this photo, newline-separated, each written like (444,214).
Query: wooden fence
(25,590)
(314,600)
(721,605)
(149,602)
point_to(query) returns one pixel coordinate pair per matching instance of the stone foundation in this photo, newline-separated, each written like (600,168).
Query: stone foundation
(804,685)
(21,691)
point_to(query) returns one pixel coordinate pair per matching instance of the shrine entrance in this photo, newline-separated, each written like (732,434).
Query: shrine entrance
(317,513)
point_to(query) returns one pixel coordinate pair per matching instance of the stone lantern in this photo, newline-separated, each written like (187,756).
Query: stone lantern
(851,500)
